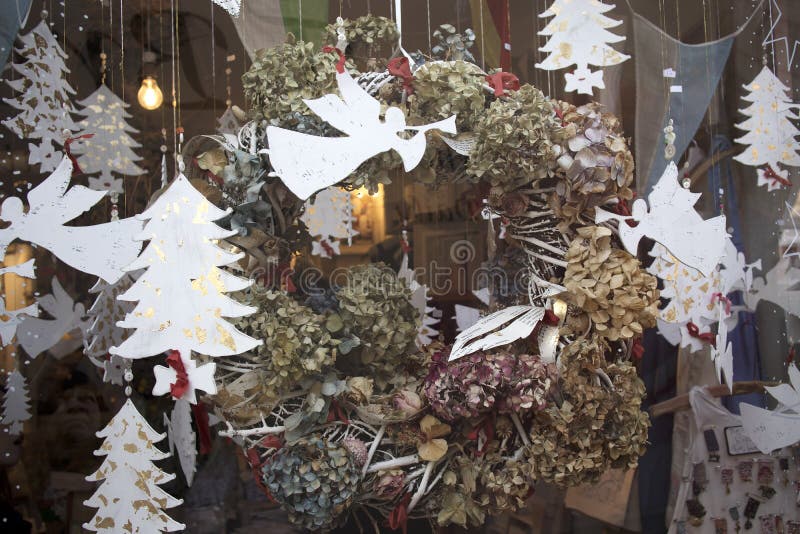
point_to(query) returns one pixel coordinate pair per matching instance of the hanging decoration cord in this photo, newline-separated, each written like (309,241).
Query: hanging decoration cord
(483,40)
(300,17)
(122,49)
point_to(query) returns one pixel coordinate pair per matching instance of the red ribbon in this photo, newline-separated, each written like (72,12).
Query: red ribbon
(790,356)
(255,462)
(707,337)
(398,518)
(638,349)
(400,68)
(182,379)
(340,63)
(722,298)
(335,413)
(328,248)
(484,430)
(550,318)
(201,420)
(502,82)
(76,169)
(405,246)
(776,178)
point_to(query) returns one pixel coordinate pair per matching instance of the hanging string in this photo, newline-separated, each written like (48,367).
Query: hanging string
(122,49)
(213,67)
(174,90)
(300,17)
(428,8)
(483,39)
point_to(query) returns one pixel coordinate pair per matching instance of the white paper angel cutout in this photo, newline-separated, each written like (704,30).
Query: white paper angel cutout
(498,329)
(778,287)
(722,354)
(771,135)
(16,403)
(579,36)
(103,250)
(130,499)
(181,301)
(672,221)
(419,299)
(25,270)
(182,437)
(11,319)
(201,378)
(307,163)
(736,274)
(771,430)
(466,316)
(68,324)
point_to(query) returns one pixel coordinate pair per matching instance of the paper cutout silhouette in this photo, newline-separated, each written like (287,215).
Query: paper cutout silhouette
(66,328)
(201,378)
(579,36)
(420,300)
(771,135)
(498,329)
(16,403)
(722,354)
(777,287)
(11,319)
(26,270)
(672,221)
(771,430)
(183,438)
(309,163)
(103,250)
(130,499)
(329,218)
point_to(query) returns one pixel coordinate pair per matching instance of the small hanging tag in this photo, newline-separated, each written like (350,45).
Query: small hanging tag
(712,445)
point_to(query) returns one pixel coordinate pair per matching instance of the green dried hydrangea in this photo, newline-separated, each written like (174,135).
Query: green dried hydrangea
(296,343)
(368,36)
(314,480)
(375,306)
(504,484)
(515,139)
(598,426)
(282,76)
(445,88)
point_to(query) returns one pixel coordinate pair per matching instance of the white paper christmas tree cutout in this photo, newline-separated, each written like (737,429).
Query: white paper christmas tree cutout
(104,332)
(774,429)
(181,301)
(672,221)
(183,438)
(16,403)
(110,151)
(308,163)
(43,97)
(579,36)
(129,498)
(103,250)
(61,335)
(329,217)
(420,300)
(771,135)
(722,353)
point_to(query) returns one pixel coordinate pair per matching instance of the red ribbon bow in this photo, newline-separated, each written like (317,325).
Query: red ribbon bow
(76,169)
(638,349)
(328,248)
(722,298)
(776,178)
(340,63)
(335,413)
(483,434)
(400,68)
(502,82)
(181,379)
(707,337)
(550,318)
(398,518)
(201,420)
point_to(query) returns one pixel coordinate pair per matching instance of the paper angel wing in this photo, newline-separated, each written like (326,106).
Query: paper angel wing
(58,303)
(57,200)
(354,110)
(498,329)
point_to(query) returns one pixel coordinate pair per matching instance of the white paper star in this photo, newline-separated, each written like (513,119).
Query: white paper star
(795,235)
(201,378)
(583,80)
(771,183)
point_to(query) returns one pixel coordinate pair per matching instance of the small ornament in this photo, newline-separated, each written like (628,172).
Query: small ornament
(745,469)
(734,513)
(767,492)
(767,524)
(712,445)
(696,512)
(726,473)
(783,462)
(793,527)
(720,525)
(669,141)
(766,472)
(750,511)
(699,478)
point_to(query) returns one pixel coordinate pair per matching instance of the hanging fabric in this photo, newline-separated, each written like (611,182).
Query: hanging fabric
(15,16)
(697,69)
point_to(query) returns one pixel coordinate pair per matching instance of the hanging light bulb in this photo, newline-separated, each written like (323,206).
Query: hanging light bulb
(150,95)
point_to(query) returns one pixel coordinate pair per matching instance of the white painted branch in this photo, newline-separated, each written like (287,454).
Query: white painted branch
(422,486)
(539,243)
(262,430)
(520,429)
(372,449)
(391,464)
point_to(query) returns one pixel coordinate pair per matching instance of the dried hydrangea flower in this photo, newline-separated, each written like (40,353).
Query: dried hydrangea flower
(595,165)
(504,484)
(482,382)
(389,484)
(610,285)
(314,480)
(596,427)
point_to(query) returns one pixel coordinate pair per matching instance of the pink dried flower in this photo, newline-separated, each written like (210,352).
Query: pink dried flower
(389,485)
(407,401)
